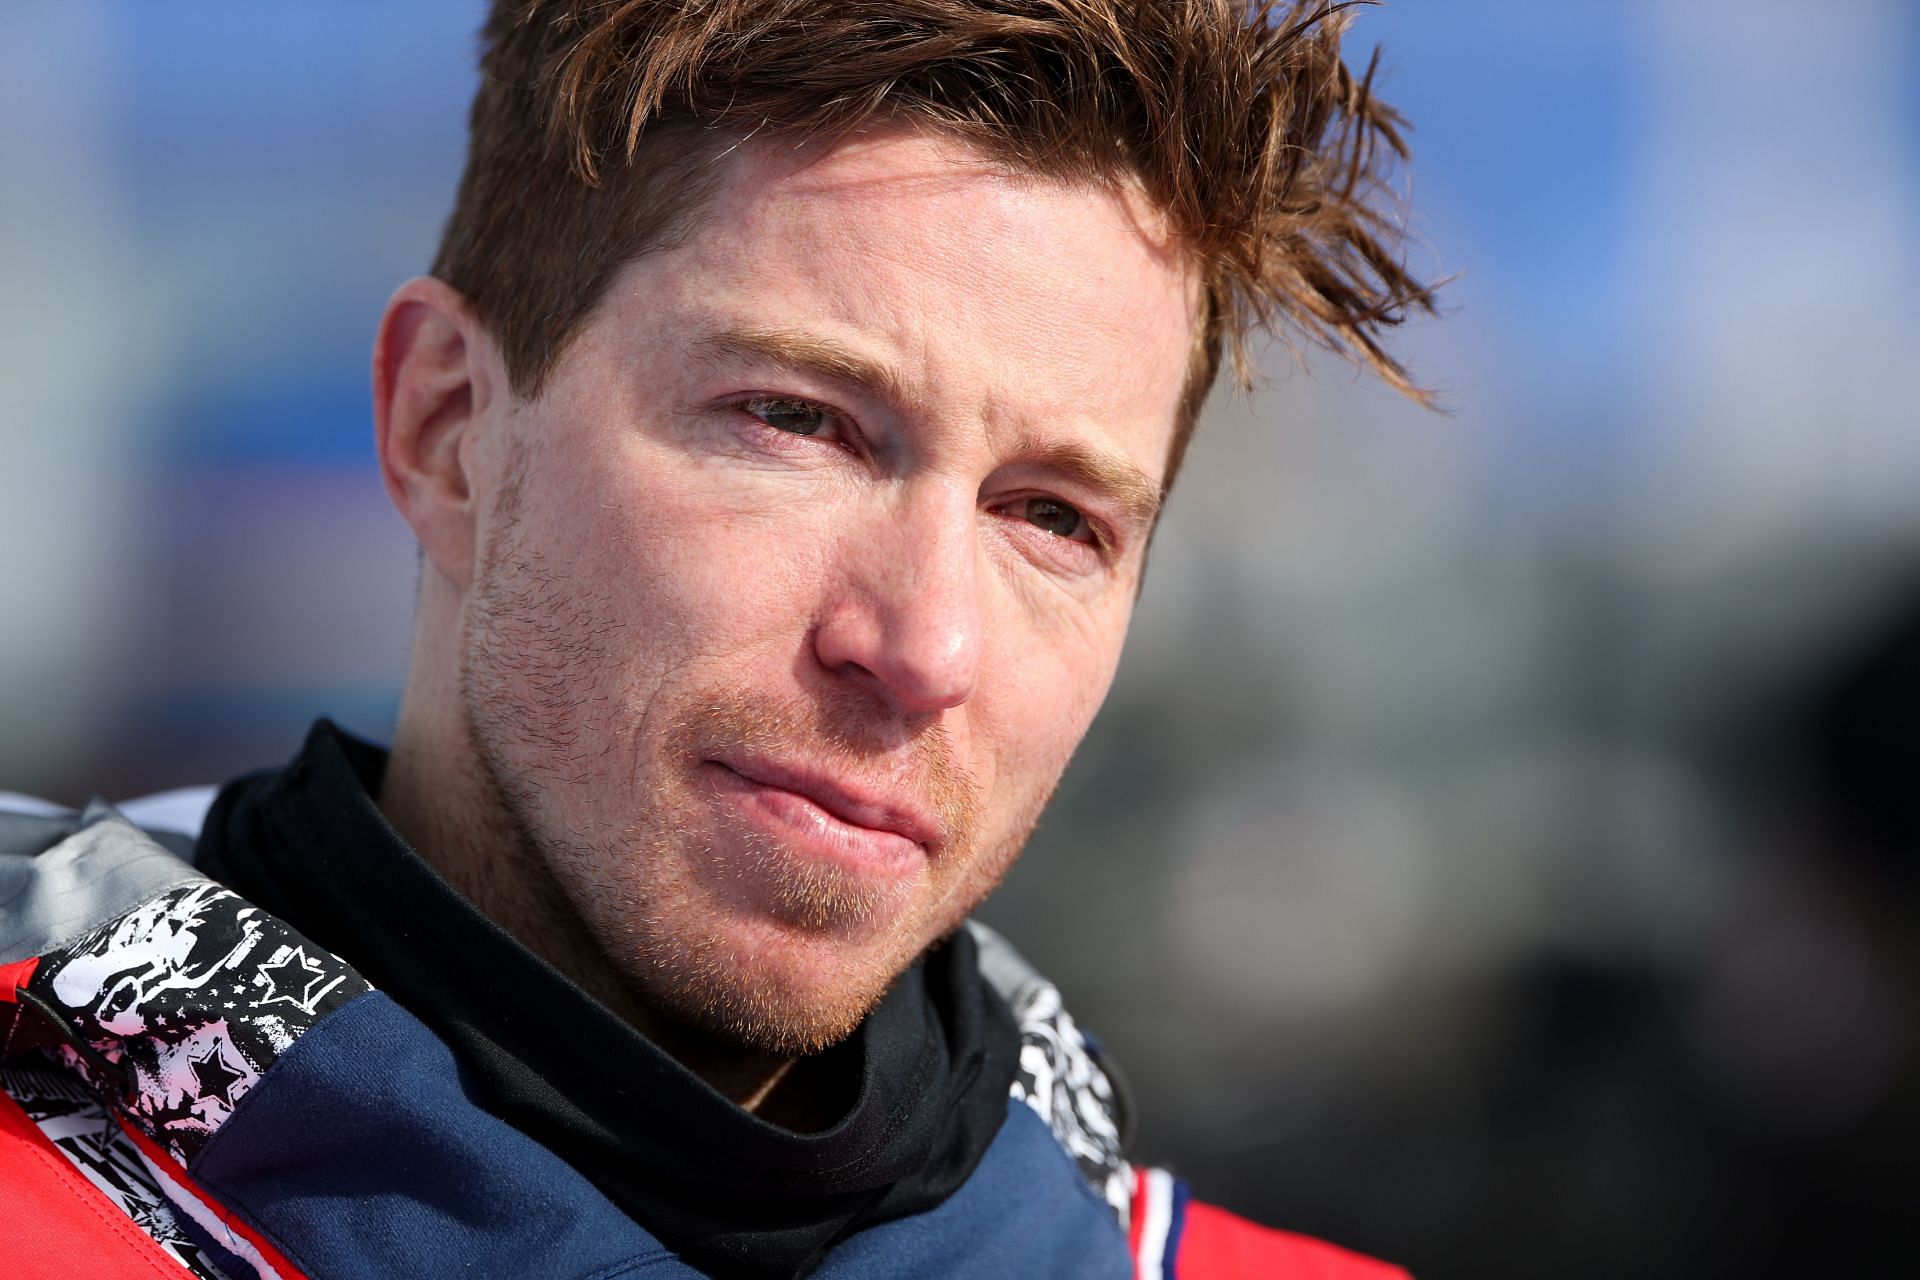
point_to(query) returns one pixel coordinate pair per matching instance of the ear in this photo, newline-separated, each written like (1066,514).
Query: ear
(434,376)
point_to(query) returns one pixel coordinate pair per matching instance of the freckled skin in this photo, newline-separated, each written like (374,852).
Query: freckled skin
(656,576)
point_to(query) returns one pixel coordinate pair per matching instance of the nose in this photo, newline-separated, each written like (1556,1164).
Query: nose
(905,618)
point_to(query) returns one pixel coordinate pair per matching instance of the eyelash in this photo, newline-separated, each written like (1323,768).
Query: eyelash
(1098,541)
(766,403)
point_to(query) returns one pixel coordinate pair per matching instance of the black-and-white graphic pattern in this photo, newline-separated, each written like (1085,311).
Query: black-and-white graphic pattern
(1060,1080)
(193,994)
(80,1129)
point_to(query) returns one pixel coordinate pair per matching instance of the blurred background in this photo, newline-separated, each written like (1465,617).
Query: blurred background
(1499,851)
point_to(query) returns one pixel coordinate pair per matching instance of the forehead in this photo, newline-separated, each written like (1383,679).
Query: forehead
(1027,299)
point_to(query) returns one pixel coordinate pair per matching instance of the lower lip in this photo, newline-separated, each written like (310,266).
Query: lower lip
(805,828)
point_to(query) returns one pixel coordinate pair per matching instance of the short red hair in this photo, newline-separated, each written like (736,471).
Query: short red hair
(1241,122)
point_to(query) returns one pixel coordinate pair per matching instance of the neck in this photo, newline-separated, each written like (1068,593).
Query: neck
(440,801)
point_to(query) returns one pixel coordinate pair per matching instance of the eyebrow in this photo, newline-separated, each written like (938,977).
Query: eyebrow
(1139,498)
(805,352)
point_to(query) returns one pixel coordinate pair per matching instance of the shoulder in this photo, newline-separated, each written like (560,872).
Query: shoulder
(173,819)
(218,1050)
(181,811)
(1063,1076)
(1174,1234)
(1067,1079)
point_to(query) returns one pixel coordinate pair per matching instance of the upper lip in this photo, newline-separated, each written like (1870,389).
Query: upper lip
(846,800)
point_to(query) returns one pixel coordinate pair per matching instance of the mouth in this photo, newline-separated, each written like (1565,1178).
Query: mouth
(815,814)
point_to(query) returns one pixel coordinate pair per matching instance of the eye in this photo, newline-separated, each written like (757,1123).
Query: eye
(796,417)
(1056,517)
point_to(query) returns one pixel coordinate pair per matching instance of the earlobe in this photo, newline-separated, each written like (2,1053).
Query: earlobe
(430,386)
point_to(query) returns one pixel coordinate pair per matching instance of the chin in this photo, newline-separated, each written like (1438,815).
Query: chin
(767,984)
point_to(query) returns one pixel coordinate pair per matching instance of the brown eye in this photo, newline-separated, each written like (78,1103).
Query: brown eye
(797,417)
(1055,517)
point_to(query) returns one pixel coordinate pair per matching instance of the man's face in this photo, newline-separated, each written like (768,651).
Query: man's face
(808,569)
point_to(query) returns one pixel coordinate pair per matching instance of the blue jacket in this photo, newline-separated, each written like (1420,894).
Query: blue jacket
(252,1107)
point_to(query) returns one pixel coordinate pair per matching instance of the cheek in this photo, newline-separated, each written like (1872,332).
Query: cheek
(700,574)
(1049,687)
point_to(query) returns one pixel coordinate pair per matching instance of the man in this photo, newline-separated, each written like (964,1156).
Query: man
(784,425)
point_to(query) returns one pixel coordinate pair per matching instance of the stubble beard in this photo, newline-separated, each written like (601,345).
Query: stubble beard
(648,893)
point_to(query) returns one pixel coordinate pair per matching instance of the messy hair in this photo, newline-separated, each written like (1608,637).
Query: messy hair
(1238,119)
